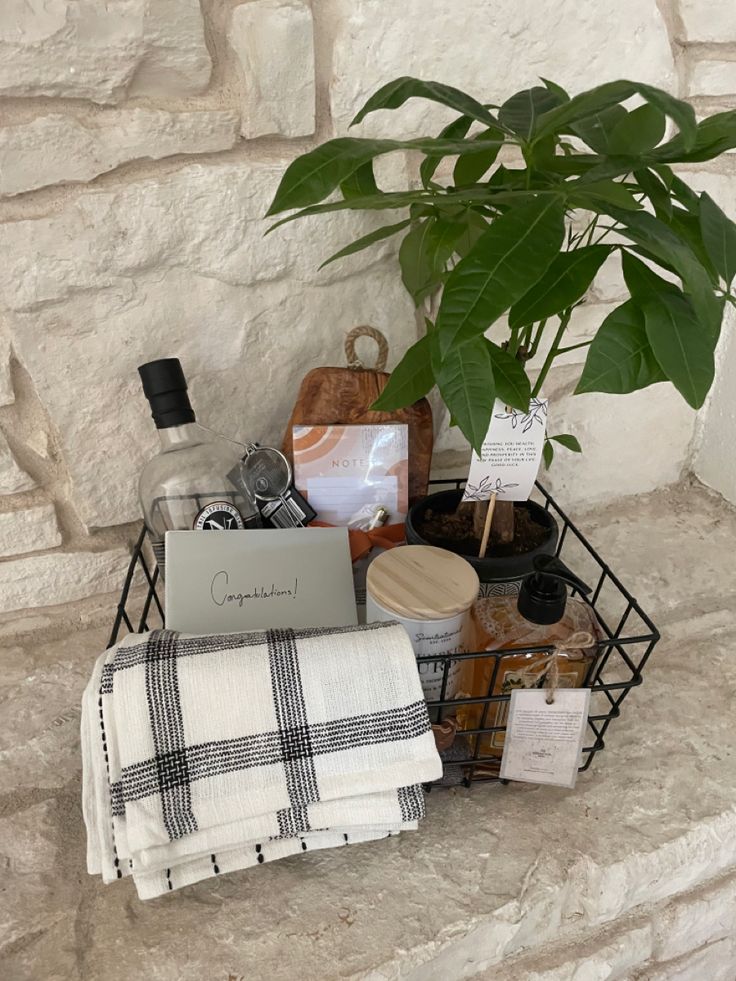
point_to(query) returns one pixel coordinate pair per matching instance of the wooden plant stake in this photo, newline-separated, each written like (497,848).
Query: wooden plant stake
(487,527)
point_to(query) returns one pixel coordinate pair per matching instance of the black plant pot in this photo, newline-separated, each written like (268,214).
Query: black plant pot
(498,574)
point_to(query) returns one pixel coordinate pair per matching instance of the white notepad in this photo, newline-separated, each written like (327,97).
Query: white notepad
(223,582)
(336,499)
(340,469)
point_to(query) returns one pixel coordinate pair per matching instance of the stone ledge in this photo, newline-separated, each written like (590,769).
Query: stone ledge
(645,945)
(494,874)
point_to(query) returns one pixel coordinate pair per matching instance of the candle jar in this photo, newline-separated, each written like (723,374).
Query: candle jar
(430,592)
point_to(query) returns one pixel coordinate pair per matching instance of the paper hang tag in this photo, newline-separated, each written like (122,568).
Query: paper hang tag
(544,741)
(510,455)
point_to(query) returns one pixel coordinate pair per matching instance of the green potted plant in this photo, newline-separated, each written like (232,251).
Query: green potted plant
(582,179)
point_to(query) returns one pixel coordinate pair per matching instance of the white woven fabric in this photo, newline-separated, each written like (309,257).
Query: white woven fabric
(204,755)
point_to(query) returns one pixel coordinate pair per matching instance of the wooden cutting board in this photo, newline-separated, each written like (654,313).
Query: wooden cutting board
(343,396)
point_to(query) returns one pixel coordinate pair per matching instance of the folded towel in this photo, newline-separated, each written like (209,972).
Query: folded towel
(206,754)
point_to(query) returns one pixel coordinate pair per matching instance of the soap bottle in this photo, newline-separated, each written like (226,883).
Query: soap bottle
(541,615)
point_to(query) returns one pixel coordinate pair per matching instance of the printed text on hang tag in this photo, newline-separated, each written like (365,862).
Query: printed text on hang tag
(544,740)
(511,453)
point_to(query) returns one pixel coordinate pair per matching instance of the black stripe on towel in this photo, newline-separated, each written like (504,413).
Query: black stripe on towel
(265,749)
(167,727)
(293,726)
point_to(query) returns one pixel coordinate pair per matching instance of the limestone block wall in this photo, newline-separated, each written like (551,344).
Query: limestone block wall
(140,144)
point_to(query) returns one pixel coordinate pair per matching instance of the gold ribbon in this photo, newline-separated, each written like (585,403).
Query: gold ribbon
(550,669)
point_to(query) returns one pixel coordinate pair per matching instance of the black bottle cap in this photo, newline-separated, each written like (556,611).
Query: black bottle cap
(543,594)
(165,387)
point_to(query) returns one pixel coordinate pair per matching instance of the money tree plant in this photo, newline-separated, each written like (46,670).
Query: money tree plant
(522,237)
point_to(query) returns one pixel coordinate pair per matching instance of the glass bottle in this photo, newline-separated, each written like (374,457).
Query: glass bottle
(193,482)
(542,615)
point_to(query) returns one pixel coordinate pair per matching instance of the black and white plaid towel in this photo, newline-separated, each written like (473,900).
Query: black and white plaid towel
(203,755)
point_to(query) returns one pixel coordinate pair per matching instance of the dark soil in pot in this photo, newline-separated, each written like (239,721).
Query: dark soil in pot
(434,521)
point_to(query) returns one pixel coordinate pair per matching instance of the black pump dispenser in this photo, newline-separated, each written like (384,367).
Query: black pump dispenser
(543,594)
(165,387)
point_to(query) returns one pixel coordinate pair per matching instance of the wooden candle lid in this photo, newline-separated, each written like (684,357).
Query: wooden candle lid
(421,582)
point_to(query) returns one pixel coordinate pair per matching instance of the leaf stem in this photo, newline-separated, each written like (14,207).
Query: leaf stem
(573,347)
(537,338)
(581,235)
(593,226)
(553,351)
(526,336)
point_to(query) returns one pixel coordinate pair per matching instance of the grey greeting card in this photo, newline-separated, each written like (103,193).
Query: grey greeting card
(221,582)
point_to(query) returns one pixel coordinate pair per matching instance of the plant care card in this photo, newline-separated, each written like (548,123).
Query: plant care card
(260,578)
(544,741)
(339,469)
(510,455)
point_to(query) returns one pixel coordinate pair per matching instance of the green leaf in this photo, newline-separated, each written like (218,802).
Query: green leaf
(421,201)
(471,167)
(360,183)
(620,358)
(574,164)
(584,105)
(548,453)
(455,130)
(314,175)
(502,265)
(465,381)
(424,253)
(687,226)
(582,192)
(657,192)
(682,348)
(596,130)
(377,235)
(719,238)
(556,89)
(416,274)
(396,93)
(661,241)
(541,155)
(512,385)
(521,111)
(642,281)
(386,200)
(681,113)
(685,195)
(474,225)
(568,441)
(410,380)
(665,174)
(638,131)
(443,237)
(602,97)
(610,168)
(566,279)
(713,136)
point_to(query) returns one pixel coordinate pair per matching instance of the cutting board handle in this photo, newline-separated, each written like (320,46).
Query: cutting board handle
(353,360)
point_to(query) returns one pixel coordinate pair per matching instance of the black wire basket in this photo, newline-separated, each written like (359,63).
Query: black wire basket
(474,754)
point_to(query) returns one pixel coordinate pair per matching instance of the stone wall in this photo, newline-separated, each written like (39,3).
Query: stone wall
(140,144)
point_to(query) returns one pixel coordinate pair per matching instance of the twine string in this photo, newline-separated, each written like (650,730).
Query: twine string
(353,360)
(549,669)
